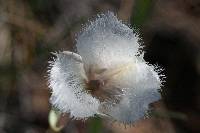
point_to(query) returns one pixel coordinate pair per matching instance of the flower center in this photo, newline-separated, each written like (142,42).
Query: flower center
(95,88)
(100,83)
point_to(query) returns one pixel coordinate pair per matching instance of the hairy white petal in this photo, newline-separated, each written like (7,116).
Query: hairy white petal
(68,88)
(107,42)
(145,83)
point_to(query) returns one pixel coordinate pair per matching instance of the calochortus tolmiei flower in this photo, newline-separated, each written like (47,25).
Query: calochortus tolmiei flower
(107,76)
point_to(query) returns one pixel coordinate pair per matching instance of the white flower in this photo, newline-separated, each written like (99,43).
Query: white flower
(107,77)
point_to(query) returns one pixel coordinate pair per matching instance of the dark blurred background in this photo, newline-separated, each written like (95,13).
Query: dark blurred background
(31,29)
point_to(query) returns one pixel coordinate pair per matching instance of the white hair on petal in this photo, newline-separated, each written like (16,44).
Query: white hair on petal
(67,84)
(107,42)
(134,104)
